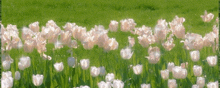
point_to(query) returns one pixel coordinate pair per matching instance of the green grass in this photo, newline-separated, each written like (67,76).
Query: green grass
(88,13)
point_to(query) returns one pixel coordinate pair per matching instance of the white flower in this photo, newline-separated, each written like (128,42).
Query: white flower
(84,63)
(6,64)
(195,86)
(24,62)
(109,77)
(17,75)
(37,79)
(34,26)
(58,45)
(118,84)
(137,69)
(145,85)
(6,82)
(195,55)
(200,81)
(110,44)
(212,84)
(127,25)
(103,84)
(59,66)
(170,66)
(179,73)
(95,71)
(113,26)
(212,60)
(6,74)
(207,17)
(102,71)
(154,55)
(84,86)
(164,74)
(126,53)
(197,70)
(172,83)
(131,41)
(71,61)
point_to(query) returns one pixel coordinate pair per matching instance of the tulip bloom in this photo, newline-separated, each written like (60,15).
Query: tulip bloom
(113,26)
(127,25)
(195,86)
(34,26)
(213,84)
(197,70)
(103,84)
(131,41)
(24,62)
(170,66)
(145,85)
(59,66)
(17,75)
(164,74)
(207,17)
(109,77)
(84,63)
(126,53)
(195,55)
(137,69)
(200,81)
(6,64)
(212,60)
(118,84)
(37,79)
(172,83)
(154,55)
(179,73)
(95,71)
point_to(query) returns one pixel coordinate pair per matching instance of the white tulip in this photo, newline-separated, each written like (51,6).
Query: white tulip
(37,79)
(197,70)
(17,75)
(84,86)
(213,84)
(6,64)
(212,60)
(195,55)
(137,69)
(118,84)
(109,77)
(164,74)
(207,17)
(126,53)
(6,74)
(6,82)
(59,66)
(95,71)
(71,61)
(195,86)
(84,63)
(103,84)
(131,41)
(24,62)
(145,85)
(170,66)
(113,26)
(172,83)
(154,55)
(200,81)
(179,73)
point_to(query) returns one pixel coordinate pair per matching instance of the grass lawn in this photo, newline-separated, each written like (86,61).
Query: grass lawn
(88,13)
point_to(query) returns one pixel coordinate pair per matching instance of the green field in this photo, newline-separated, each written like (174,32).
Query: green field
(88,13)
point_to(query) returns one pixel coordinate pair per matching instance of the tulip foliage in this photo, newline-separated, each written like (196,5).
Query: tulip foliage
(151,57)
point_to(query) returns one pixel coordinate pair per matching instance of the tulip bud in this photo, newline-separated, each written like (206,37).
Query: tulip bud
(212,60)
(109,77)
(59,66)
(118,84)
(195,55)
(137,69)
(17,75)
(164,74)
(84,64)
(37,79)
(200,81)
(197,70)
(71,62)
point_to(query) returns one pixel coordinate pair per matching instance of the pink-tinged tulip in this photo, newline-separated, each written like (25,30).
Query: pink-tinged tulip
(34,26)
(197,70)
(68,26)
(172,83)
(65,37)
(113,26)
(103,37)
(212,60)
(154,55)
(146,40)
(161,30)
(37,79)
(170,66)
(142,31)
(193,41)
(89,42)
(184,65)
(177,27)
(164,74)
(127,25)
(195,55)
(131,41)
(209,39)
(27,33)
(126,53)
(200,81)
(179,72)
(168,45)
(58,45)
(207,17)
(110,44)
